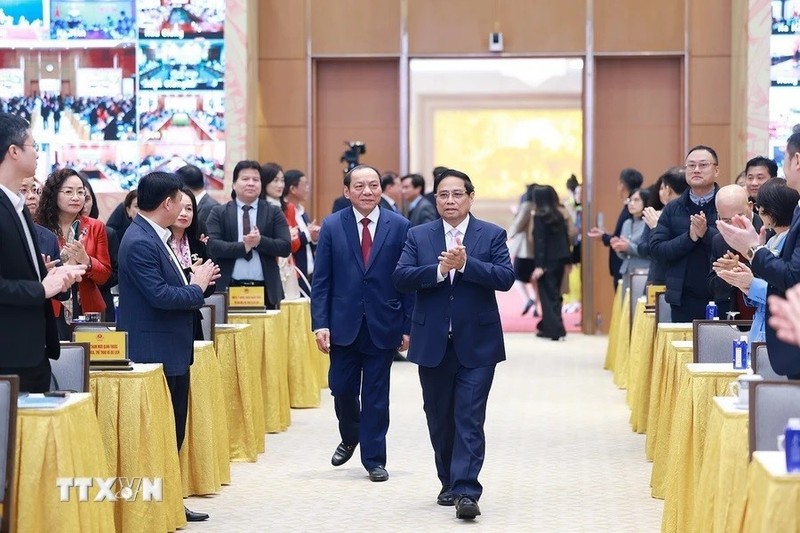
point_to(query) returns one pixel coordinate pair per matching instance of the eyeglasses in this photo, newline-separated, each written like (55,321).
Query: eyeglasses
(443,196)
(24,191)
(33,145)
(70,193)
(703,165)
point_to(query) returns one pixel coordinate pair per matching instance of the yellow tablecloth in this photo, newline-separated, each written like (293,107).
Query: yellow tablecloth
(773,496)
(623,342)
(271,338)
(679,353)
(639,366)
(721,492)
(60,442)
(613,329)
(134,409)
(666,333)
(700,383)
(240,363)
(304,358)
(205,454)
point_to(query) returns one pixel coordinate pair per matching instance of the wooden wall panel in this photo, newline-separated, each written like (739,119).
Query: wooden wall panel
(542,26)
(281,29)
(469,23)
(354,100)
(355,27)
(710,27)
(282,89)
(709,90)
(637,26)
(638,124)
(285,145)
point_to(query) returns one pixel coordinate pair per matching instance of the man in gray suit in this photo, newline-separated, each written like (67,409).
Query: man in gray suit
(420,210)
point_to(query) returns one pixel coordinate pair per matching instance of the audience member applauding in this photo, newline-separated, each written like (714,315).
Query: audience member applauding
(48,242)
(627,244)
(82,240)
(296,189)
(669,186)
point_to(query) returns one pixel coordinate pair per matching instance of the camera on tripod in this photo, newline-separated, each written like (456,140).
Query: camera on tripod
(354,151)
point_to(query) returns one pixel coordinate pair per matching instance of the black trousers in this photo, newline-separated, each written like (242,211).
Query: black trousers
(552,323)
(179,390)
(689,309)
(31,378)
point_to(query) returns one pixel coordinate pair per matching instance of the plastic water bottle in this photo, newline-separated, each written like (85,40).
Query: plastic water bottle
(740,353)
(711,311)
(792,445)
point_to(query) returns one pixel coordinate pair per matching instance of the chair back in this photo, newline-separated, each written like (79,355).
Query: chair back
(713,339)
(220,301)
(208,314)
(759,361)
(637,284)
(70,372)
(663,310)
(9,391)
(772,404)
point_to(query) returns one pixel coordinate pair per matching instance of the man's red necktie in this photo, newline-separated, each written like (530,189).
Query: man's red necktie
(366,240)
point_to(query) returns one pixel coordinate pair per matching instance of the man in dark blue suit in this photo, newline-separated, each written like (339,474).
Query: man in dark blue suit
(157,303)
(455,265)
(781,272)
(359,318)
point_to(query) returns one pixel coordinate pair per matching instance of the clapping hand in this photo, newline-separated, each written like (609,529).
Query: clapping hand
(205,274)
(48,263)
(729,261)
(313,229)
(783,316)
(650,217)
(453,259)
(739,233)
(740,277)
(203,238)
(620,244)
(60,279)
(77,253)
(252,239)
(596,232)
(698,225)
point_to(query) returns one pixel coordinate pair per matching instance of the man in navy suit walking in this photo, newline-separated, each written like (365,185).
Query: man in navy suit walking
(455,265)
(359,318)
(157,303)
(780,272)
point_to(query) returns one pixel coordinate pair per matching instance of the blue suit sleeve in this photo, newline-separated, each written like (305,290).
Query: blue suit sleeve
(497,273)
(145,261)
(775,270)
(409,275)
(321,282)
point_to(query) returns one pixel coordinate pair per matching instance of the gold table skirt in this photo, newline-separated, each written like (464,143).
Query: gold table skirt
(623,343)
(666,334)
(205,454)
(271,339)
(639,367)
(721,491)
(60,442)
(613,329)
(773,496)
(137,424)
(700,383)
(304,358)
(240,364)
(679,353)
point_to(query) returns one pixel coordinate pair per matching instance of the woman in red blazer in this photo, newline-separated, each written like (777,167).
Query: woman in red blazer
(82,240)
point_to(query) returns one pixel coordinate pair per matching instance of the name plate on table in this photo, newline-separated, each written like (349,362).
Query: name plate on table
(104,345)
(246,298)
(651,293)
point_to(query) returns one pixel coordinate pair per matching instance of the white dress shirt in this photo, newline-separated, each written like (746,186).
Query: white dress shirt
(164,234)
(462,230)
(303,227)
(242,268)
(373,222)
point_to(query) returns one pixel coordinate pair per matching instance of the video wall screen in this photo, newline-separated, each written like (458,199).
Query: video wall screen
(784,91)
(118,88)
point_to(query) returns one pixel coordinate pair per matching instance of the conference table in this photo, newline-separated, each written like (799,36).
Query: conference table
(613,329)
(137,425)
(305,360)
(641,353)
(59,442)
(205,454)
(773,495)
(623,342)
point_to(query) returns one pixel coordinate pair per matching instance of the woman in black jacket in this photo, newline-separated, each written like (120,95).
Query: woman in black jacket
(552,252)
(189,246)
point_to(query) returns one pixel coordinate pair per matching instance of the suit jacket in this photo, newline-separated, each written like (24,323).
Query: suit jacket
(551,244)
(225,247)
(340,203)
(204,207)
(118,220)
(343,289)
(156,307)
(27,325)
(614,261)
(423,212)
(48,242)
(468,303)
(781,273)
(301,255)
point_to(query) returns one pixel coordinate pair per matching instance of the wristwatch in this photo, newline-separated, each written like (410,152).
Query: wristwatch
(751,252)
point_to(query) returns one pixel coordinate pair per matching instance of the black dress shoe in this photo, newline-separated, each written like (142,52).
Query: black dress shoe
(446,497)
(192,516)
(528,306)
(343,453)
(467,508)
(378,474)
(397,356)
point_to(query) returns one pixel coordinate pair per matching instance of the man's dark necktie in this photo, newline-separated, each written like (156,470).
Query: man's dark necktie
(366,241)
(246,227)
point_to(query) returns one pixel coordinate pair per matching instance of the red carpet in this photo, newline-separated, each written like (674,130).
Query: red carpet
(511,304)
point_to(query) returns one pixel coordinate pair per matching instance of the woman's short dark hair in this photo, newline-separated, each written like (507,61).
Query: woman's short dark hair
(546,206)
(156,187)
(47,214)
(94,212)
(129,198)
(270,171)
(655,199)
(644,194)
(778,201)
(192,231)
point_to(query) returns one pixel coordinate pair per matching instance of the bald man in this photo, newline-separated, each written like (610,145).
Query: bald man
(731,200)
